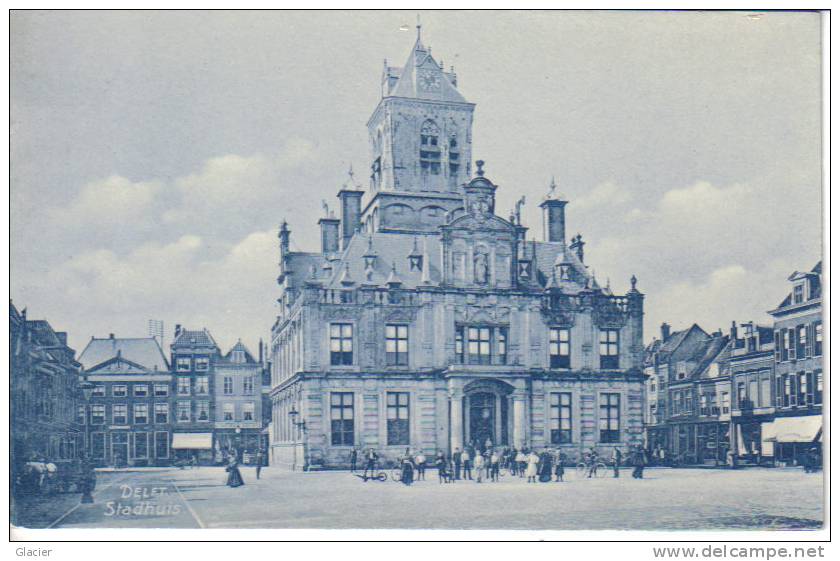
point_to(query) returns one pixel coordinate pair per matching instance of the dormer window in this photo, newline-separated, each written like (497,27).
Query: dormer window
(429,148)
(798,293)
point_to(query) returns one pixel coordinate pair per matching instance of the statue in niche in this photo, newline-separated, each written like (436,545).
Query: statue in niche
(481,268)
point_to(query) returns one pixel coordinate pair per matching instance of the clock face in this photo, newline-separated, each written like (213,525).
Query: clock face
(429,81)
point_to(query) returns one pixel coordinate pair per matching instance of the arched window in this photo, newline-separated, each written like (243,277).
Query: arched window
(430,148)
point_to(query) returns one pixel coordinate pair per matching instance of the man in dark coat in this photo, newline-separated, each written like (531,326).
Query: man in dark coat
(456,462)
(87,480)
(353,456)
(616,461)
(639,462)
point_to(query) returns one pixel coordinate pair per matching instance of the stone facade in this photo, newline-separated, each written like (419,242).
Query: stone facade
(437,325)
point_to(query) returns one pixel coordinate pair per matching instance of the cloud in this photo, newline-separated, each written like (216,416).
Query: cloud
(709,253)
(176,282)
(605,194)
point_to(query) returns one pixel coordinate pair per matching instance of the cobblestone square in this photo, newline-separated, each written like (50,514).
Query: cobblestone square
(667,499)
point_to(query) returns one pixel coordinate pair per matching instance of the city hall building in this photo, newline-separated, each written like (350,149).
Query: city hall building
(428,321)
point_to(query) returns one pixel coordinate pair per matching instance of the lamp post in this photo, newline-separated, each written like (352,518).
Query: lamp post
(301,425)
(86,387)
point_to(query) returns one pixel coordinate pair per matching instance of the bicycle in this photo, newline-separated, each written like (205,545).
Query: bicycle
(582,469)
(377,474)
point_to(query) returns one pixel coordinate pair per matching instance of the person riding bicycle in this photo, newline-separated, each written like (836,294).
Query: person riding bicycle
(370,463)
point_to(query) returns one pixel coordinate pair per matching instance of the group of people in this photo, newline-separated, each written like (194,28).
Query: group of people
(479,464)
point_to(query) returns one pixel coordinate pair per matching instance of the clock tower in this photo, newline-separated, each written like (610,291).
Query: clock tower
(421,131)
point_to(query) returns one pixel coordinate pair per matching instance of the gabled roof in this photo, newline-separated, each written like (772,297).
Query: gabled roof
(717,349)
(119,364)
(239,346)
(421,69)
(190,338)
(814,290)
(145,352)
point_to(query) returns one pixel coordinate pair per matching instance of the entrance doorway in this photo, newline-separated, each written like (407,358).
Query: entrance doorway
(483,419)
(486,405)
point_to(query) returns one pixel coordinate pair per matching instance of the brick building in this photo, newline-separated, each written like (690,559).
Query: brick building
(427,321)
(43,395)
(238,400)
(798,372)
(194,354)
(129,417)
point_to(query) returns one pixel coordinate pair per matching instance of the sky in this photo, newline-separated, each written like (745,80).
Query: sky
(154,154)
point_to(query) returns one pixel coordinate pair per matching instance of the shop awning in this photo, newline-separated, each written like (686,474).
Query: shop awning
(792,429)
(192,441)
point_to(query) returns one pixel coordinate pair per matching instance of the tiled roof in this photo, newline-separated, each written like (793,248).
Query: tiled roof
(143,351)
(420,64)
(194,338)
(392,250)
(239,346)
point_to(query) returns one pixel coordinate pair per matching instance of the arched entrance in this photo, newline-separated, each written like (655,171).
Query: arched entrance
(486,412)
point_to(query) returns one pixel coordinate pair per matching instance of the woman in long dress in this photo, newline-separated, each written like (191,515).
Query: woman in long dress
(407,468)
(531,470)
(545,467)
(234,478)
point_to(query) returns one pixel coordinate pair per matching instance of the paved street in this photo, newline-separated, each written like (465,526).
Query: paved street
(666,499)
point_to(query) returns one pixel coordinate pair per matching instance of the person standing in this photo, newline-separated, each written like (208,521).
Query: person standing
(592,462)
(259,461)
(639,463)
(559,468)
(479,466)
(234,478)
(520,460)
(407,468)
(531,469)
(544,467)
(353,457)
(456,463)
(420,461)
(466,462)
(87,479)
(441,465)
(616,461)
(370,463)
(494,466)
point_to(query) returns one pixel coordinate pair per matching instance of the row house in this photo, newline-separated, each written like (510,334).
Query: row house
(798,368)
(428,321)
(43,392)
(756,394)
(128,419)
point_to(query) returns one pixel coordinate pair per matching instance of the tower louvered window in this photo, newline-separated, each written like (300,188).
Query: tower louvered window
(430,148)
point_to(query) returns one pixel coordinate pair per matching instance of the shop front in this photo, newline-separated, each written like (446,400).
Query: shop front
(791,438)
(193,446)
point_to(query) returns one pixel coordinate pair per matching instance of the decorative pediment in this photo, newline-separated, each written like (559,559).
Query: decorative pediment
(482,314)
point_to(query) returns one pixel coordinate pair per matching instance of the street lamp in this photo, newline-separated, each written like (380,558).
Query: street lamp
(301,425)
(86,387)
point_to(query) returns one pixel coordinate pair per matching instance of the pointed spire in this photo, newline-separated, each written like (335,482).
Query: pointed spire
(419,27)
(346,279)
(393,278)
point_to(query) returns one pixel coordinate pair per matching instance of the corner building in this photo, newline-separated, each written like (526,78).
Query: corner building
(427,321)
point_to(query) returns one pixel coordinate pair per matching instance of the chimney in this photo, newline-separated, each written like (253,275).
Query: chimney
(177,330)
(261,351)
(110,336)
(733,331)
(329,235)
(351,213)
(577,246)
(666,331)
(554,220)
